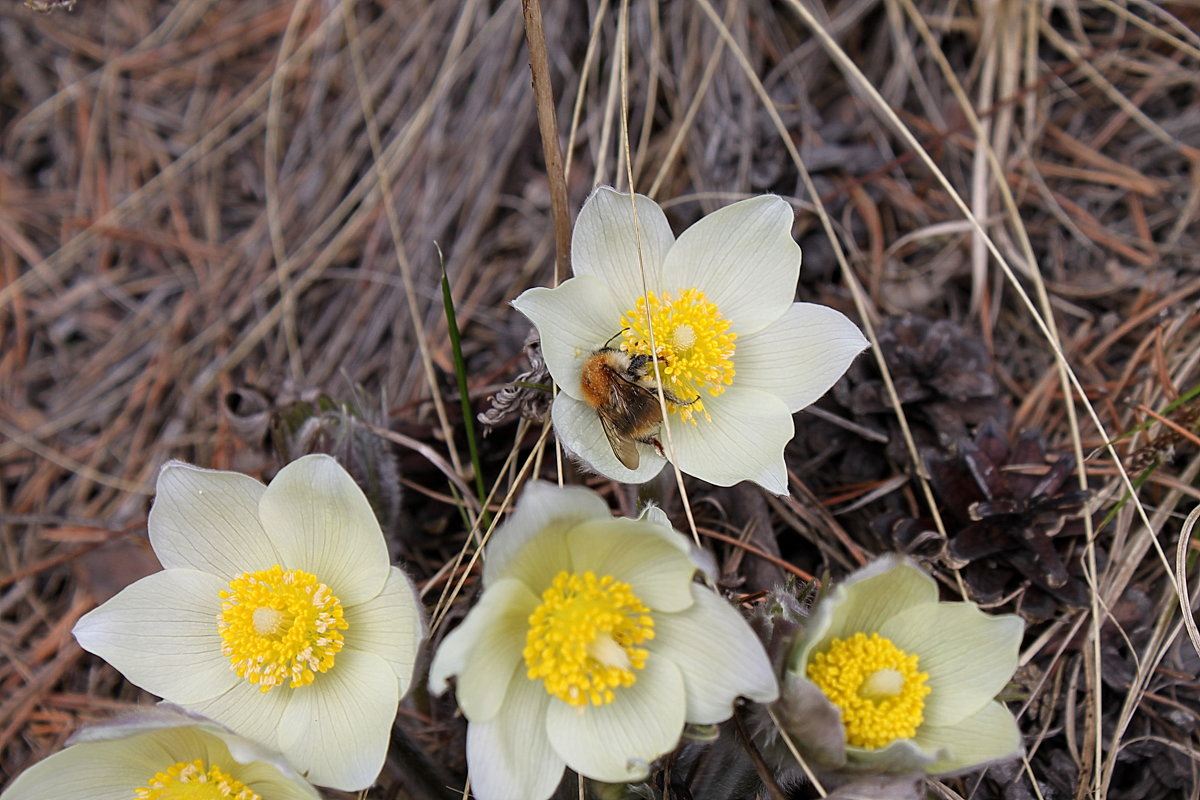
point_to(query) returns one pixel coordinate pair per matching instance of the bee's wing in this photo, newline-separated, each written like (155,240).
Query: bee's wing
(624,448)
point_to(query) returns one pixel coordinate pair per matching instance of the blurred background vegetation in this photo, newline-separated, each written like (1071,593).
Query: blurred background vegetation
(219,241)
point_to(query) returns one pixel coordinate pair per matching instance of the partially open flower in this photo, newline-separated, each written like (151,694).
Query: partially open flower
(913,680)
(736,356)
(278,614)
(160,753)
(590,648)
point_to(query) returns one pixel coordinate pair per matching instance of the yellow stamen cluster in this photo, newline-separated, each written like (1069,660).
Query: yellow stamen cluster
(876,685)
(582,639)
(692,340)
(192,781)
(280,625)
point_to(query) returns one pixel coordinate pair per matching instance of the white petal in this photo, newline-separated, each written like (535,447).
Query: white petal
(902,755)
(991,734)
(615,743)
(322,523)
(719,655)
(207,519)
(266,781)
(744,259)
(579,430)
(248,711)
(605,243)
(573,321)
(544,512)
(337,729)
(907,786)
(114,769)
(170,734)
(390,625)
(510,756)
(497,653)
(744,441)
(122,754)
(168,746)
(799,357)
(969,655)
(504,605)
(148,719)
(864,601)
(91,771)
(161,634)
(704,560)
(655,514)
(640,554)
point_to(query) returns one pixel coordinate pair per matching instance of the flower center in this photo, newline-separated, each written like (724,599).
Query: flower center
(877,687)
(693,341)
(278,626)
(191,781)
(582,639)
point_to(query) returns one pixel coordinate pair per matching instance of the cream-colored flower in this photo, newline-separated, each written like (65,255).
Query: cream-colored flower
(733,347)
(156,754)
(590,648)
(278,614)
(913,680)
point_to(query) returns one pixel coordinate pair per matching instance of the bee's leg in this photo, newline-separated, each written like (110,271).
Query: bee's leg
(653,441)
(672,398)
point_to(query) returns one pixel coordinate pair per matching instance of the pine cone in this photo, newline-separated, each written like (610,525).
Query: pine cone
(1013,520)
(943,378)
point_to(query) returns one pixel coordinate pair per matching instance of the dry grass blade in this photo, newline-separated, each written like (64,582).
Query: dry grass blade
(204,204)
(1185,601)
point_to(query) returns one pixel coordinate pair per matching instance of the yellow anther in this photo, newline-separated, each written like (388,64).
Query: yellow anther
(876,685)
(194,780)
(279,626)
(693,341)
(583,639)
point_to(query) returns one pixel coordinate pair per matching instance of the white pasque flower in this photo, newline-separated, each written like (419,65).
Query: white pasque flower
(732,346)
(913,680)
(156,754)
(590,648)
(278,614)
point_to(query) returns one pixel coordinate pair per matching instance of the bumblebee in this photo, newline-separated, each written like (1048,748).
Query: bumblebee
(622,390)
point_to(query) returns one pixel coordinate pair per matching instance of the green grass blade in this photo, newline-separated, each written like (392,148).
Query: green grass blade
(460,372)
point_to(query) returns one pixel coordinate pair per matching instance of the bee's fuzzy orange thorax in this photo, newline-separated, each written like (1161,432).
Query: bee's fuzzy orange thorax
(595,382)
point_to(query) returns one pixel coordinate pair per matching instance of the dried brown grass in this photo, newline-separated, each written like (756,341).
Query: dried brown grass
(190,204)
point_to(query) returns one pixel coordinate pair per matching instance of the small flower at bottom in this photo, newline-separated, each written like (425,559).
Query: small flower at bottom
(590,648)
(157,754)
(736,356)
(910,680)
(278,614)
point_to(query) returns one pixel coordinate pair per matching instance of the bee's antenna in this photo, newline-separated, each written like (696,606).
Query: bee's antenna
(615,335)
